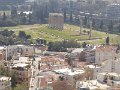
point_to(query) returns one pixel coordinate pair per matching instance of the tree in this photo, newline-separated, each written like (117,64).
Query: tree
(71,16)
(93,23)
(110,26)
(61,78)
(64,14)
(6,33)
(84,44)
(13,81)
(54,4)
(62,45)
(107,40)
(13,12)
(101,25)
(23,20)
(85,21)
(39,67)
(118,28)
(4,17)
(22,34)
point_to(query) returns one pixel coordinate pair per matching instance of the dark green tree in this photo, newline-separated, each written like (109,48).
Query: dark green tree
(13,12)
(62,45)
(39,65)
(13,81)
(4,17)
(71,16)
(54,4)
(85,21)
(118,28)
(84,44)
(64,14)
(23,20)
(110,26)
(30,18)
(93,23)
(107,41)
(22,34)
(101,25)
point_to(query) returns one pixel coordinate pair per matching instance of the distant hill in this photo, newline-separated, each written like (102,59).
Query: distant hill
(113,1)
(9,2)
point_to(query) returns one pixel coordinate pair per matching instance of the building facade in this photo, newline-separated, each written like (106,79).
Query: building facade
(104,53)
(56,20)
(22,50)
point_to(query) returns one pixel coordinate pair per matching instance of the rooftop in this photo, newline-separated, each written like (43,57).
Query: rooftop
(78,50)
(68,71)
(92,66)
(3,78)
(21,60)
(92,85)
(22,65)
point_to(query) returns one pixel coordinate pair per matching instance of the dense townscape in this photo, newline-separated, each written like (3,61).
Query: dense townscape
(59,45)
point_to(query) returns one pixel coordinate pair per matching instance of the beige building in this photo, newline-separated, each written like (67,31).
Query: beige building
(23,72)
(104,53)
(19,50)
(56,20)
(22,68)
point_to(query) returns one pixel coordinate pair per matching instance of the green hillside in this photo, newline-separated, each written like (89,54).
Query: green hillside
(70,32)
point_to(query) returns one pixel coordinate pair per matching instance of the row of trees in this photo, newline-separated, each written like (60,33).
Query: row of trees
(61,46)
(5,21)
(109,26)
(5,4)
(10,38)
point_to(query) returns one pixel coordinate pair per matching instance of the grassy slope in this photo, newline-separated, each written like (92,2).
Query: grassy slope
(70,32)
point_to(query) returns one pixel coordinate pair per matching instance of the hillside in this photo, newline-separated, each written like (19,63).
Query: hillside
(70,32)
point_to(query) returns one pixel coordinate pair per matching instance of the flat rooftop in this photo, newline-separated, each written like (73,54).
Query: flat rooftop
(3,78)
(22,65)
(68,71)
(92,85)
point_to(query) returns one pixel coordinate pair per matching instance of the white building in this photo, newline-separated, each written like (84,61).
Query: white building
(5,83)
(104,81)
(104,53)
(70,74)
(111,65)
(22,50)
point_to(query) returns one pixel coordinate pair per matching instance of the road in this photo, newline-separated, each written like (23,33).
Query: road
(34,78)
